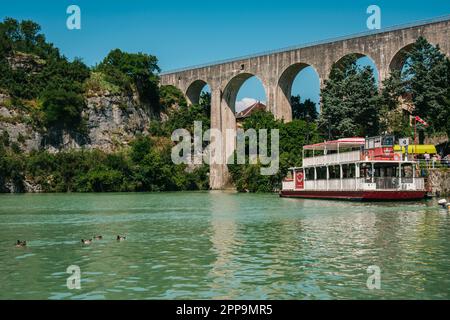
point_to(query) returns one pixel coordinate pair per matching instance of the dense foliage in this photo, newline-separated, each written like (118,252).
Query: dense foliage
(352,105)
(426,78)
(293,136)
(133,71)
(306,110)
(146,166)
(350,101)
(33,69)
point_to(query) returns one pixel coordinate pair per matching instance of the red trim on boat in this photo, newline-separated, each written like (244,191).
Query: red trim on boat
(355,195)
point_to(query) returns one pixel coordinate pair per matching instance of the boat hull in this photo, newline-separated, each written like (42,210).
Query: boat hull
(377,195)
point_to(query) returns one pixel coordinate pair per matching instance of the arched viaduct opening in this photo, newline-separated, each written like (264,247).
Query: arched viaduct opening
(298,86)
(362,61)
(196,91)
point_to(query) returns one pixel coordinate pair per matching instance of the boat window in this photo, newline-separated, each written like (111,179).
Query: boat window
(348,170)
(388,141)
(309,173)
(334,172)
(321,173)
(365,170)
(407,172)
(289,175)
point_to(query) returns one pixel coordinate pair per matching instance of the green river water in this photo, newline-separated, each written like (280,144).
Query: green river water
(219,245)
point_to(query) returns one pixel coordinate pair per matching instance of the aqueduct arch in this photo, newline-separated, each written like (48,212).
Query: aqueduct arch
(194,90)
(284,89)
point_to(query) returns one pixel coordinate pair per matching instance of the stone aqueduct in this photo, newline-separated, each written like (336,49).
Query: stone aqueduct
(278,69)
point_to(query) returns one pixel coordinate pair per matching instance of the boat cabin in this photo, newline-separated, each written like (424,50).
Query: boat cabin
(354,164)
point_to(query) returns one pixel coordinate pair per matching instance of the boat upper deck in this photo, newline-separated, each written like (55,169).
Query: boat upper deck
(351,150)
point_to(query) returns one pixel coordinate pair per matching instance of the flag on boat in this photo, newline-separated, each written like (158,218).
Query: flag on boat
(421,121)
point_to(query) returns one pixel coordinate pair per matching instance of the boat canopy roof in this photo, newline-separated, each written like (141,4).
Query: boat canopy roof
(354,142)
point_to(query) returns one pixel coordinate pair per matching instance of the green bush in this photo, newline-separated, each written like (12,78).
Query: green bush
(63,108)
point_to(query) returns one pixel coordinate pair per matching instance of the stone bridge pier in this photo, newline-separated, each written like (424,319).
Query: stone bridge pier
(277,71)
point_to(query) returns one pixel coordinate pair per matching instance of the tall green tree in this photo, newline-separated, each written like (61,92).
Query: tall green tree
(306,110)
(393,118)
(350,101)
(426,78)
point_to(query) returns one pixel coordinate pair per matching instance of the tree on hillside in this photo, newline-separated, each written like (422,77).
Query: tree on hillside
(24,36)
(350,101)
(133,69)
(303,110)
(170,96)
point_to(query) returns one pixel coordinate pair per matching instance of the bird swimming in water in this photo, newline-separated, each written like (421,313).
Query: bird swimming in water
(21,244)
(86,241)
(98,237)
(121,238)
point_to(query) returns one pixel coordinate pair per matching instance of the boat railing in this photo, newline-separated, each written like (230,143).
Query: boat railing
(334,184)
(334,158)
(310,184)
(378,183)
(288,184)
(434,164)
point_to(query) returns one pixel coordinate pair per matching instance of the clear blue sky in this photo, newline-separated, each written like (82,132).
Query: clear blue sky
(184,33)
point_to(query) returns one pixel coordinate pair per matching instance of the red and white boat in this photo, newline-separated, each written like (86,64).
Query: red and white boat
(364,169)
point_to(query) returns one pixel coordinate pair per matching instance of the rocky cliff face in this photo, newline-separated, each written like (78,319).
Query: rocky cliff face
(439,180)
(16,123)
(112,121)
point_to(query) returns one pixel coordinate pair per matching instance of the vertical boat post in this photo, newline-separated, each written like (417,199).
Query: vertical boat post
(373,172)
(340,167)
(328,178)
(315,178)
(294,176)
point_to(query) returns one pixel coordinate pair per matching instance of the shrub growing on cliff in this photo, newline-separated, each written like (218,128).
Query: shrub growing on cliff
(128,70)
(63,108)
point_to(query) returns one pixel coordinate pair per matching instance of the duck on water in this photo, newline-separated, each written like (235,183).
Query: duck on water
(21,244)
